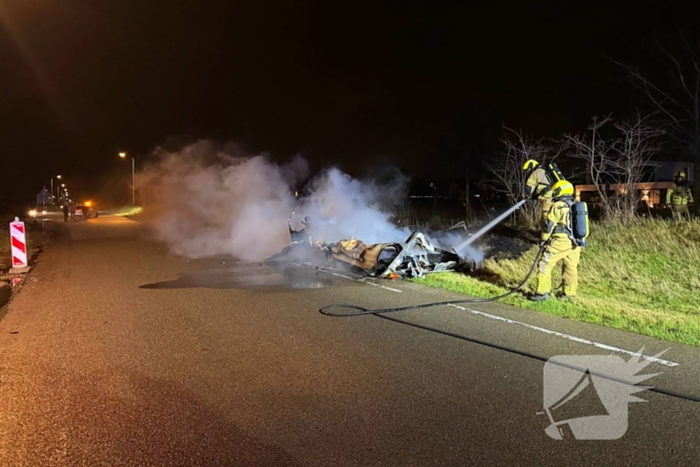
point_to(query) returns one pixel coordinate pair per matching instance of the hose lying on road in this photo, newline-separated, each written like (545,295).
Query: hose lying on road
(364,311)
(380,312)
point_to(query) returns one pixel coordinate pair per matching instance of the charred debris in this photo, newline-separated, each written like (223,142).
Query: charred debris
(416,257)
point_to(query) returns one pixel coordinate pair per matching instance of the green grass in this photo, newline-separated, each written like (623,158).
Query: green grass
(129,211)
(641,278)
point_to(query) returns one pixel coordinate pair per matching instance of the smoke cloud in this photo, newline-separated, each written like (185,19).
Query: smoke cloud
(206,201)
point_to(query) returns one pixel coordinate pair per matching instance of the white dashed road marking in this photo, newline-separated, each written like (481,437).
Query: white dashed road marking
(529,326)
(364,281)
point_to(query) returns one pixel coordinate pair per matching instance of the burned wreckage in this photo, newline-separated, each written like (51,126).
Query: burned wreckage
(416,257)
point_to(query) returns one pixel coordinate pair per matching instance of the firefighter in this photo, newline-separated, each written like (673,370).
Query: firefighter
(679,196)
(538,185)
(560,243)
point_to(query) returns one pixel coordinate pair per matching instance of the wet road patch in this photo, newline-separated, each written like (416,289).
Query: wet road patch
(255,276)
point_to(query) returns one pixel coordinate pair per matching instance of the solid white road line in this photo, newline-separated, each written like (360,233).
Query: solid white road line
(569,337)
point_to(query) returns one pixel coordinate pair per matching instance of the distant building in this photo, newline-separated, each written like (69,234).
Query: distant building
(658,177)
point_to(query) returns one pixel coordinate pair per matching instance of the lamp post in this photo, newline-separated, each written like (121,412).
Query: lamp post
(58,177)
(133,185)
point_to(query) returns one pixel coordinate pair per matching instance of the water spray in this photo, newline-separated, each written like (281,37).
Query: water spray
(489,226)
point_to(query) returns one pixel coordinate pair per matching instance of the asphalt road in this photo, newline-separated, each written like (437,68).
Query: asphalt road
(116,352)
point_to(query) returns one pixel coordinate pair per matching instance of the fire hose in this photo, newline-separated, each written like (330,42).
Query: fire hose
(364,311)
(381,312)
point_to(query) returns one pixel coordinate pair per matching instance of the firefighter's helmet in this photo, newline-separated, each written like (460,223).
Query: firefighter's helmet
(530,165)
(562,188)
(680,174)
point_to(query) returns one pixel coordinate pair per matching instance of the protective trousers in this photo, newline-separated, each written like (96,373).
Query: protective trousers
(559,249)
(680,211)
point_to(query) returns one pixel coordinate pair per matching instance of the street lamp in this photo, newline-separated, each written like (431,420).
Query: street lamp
(58,177)
(133,185)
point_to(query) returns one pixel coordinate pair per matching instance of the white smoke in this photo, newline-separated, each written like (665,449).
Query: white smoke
(452,239)
(342,207)
(204,201)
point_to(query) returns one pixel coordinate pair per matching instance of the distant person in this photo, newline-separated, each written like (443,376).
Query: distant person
(561,246)
(538,184)
(71,208)
(65,212)
(678,197)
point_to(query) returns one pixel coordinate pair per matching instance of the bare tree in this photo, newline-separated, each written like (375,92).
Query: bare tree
(619,160)
(634,149)
(508,175)
(595,151)
(674,91)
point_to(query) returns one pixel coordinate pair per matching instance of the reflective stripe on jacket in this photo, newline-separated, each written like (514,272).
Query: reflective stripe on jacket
(679,195)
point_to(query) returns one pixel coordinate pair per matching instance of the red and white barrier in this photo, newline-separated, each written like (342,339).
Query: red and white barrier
(18,241)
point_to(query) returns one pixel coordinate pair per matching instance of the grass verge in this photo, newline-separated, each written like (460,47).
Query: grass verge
(129,211)
(641,278)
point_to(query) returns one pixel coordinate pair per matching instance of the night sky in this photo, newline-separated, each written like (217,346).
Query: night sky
(425,86)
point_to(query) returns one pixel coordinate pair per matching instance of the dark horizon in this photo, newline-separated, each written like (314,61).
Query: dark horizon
(422,87)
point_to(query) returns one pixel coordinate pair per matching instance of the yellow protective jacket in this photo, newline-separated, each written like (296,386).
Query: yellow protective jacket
(679,195)
(558,223)
(538,184)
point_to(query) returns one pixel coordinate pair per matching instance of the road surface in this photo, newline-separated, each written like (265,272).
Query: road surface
(117,352)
